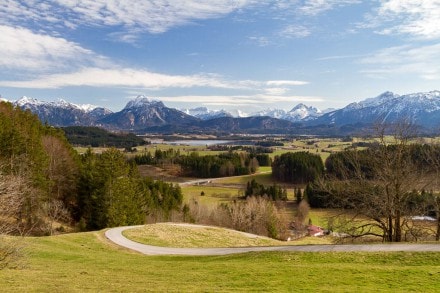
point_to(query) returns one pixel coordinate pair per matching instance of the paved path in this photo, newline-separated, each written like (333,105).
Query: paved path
(115,235)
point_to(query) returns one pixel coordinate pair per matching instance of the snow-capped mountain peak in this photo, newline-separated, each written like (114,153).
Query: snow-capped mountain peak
(206,114)
(385,97)
(421,109)
(27,101)
(270,112)
(141,101)
(239,113)
(302,112)
(62,112)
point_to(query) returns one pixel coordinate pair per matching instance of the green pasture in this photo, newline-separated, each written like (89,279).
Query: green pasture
(87,262)
(190,236)
(212,194)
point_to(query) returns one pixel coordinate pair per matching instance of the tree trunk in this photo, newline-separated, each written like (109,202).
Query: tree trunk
(390,229)
(437,235)
(397,228)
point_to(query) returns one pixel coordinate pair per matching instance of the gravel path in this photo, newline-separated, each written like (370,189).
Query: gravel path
(115,235)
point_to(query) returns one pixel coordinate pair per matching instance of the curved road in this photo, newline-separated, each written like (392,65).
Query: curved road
(115,235)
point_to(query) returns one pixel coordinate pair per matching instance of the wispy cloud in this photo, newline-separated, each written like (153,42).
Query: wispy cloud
(242,100)
(260,41)
(125,77)
(277,91)
(27,51)
(286,82)
(315,7)
(155,16)
(294,31)
(420,61)
(128,77)
(419,19)
(339,57)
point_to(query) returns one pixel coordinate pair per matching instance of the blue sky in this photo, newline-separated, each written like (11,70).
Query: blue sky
(229,54)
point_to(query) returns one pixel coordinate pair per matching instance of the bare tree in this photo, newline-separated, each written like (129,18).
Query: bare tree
(61,171)
(375,188)
(432,155)
(302,213)
(11,203)
(55,212)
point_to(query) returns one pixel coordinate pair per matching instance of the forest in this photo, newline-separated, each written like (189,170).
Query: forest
(98,137)
(46,187)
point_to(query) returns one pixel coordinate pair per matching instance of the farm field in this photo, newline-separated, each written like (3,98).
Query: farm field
(86,262)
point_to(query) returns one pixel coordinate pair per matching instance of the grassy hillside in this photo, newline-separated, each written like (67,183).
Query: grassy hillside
(193,236)
(87,262)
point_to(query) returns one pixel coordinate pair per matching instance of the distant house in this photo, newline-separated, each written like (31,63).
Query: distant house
(315,231)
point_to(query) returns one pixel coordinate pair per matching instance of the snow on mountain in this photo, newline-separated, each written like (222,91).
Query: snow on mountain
(239,114)
(60,103)
(205,113)
(422,109)
(63,113)
(27,101)
(87,107)
(302,112)
(142,101)
(383,98)
(274,113)
(298,113)
(143,112)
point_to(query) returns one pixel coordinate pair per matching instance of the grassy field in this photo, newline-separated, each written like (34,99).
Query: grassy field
(86,262)
(189,236)
(212,194)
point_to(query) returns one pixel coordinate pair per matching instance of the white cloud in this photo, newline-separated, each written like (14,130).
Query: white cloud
(295,31)
(422,62)
(154,16)
(278,91)
(242,100)
(315,7)
(24,50)
(286,82)
(126,77)
(415,18)
(260,41)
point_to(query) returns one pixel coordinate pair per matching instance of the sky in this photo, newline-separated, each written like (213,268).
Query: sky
(231,54)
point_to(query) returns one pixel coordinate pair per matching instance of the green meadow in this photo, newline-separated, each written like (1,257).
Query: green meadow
(87,262)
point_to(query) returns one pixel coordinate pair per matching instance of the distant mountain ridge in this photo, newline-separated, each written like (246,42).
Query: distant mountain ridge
(62,113)
(206,114)
(145,114)
(421,109)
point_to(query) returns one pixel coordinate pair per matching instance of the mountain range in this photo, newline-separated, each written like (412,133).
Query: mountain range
(146,115)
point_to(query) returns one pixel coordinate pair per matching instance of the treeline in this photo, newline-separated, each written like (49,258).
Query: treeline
(46,186)
(362,165)
(297,168)
(98,137)
(193,164)
(273,192)
(227,164)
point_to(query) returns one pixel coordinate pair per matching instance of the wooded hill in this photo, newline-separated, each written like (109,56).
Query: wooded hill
(46,186)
